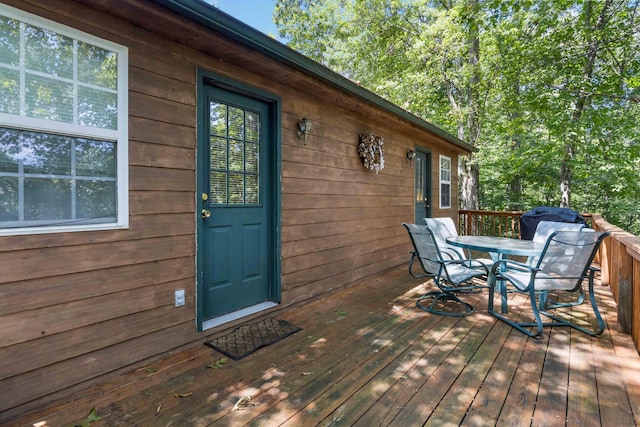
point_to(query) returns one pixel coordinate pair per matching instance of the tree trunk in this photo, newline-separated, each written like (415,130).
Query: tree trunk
(469,183)
(514,196)
(566,168)
(566,172)
(468,169)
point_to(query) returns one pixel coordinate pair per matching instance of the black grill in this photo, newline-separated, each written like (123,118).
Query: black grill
(530,219)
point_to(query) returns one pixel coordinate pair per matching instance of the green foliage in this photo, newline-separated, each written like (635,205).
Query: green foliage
(552,81)
(217,364)
(91,418)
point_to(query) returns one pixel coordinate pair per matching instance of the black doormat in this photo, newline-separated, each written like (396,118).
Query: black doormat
(246,339)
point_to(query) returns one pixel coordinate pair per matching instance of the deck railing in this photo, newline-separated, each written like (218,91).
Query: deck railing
(495,223)
(490,223)
(619,258)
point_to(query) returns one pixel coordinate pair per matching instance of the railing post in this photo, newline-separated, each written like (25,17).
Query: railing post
(605,260)
(635,321)
(624,272)
(619,259)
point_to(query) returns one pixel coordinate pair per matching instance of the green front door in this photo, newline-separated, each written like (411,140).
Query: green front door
(236,251)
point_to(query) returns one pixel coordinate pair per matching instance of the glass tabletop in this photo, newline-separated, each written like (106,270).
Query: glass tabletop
(498,245)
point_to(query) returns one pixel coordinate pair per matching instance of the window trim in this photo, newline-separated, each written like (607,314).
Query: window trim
(442,181)
(119,136)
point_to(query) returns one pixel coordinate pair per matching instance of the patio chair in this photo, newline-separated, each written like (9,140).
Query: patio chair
(547,228)
(450,274)
(563,266)
(443,227)
(543,230)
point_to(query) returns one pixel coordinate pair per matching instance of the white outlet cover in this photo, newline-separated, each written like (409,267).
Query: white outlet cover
(180,298)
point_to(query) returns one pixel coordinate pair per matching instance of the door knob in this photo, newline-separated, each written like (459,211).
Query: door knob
(206,213)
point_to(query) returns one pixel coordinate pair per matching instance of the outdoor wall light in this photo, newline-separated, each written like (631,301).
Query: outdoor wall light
(304,127)
(411,155)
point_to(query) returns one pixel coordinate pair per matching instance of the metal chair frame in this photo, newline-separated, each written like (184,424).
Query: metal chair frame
(443,227)
(450,273)
(543,230)
(555,258)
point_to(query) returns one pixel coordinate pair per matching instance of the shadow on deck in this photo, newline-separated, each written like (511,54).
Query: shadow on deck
(368,356)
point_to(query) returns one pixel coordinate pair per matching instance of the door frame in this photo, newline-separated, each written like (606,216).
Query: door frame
(428,185)
(208,78)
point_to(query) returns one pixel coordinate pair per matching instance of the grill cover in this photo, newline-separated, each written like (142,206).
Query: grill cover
(530,219)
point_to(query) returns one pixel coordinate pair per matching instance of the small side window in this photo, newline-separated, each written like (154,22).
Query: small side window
(445,182)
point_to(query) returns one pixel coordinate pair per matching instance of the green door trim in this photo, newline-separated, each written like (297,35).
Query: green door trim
(208,78)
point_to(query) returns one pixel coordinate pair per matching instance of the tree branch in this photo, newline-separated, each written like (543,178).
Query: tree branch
(586,93)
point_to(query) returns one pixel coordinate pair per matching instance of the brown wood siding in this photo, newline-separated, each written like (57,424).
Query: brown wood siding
(77,306)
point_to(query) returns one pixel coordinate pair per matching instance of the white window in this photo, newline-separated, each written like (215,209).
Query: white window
(445,182)
(63,128)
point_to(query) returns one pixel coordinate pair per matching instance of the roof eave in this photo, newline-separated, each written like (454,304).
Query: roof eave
(219,21)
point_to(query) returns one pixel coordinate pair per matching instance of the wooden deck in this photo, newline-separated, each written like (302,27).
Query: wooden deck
(368,356)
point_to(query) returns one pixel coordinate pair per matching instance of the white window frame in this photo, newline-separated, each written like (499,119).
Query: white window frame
(445,178)
(120,136)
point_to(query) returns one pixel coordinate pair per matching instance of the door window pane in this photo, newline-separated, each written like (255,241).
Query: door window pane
(236,156)
(252,158)
(419,179)
(236,123)
(252,189)
(218,188)
(236,189)
(234,153)
(218,119)
(252,121)
(218,147)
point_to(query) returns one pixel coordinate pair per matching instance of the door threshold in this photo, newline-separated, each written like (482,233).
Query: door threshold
(230,317)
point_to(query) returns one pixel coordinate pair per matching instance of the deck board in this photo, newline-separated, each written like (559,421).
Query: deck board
(368,356)
(582,402)
(615,402)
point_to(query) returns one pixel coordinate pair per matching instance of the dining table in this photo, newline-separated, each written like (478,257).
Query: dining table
(498,248)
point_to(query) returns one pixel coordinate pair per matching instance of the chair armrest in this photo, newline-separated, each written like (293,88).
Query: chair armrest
(501,269)
(469,263)
(506,264)
(451,254)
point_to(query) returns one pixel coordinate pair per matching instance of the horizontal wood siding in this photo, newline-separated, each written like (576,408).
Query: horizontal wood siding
(75,307)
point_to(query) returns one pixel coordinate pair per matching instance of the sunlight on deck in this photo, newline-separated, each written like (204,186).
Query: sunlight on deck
(371,357)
